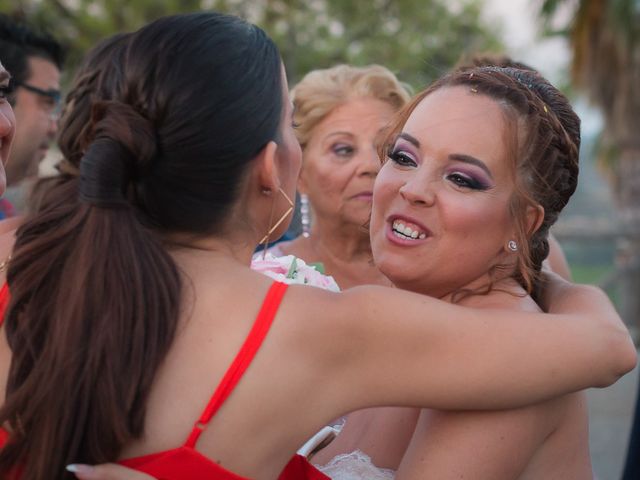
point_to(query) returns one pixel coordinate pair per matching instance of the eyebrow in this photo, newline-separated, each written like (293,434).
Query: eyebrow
(459,157)
(333,134)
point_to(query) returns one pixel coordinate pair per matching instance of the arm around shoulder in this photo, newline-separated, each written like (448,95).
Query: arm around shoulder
(590,306)
(400,348)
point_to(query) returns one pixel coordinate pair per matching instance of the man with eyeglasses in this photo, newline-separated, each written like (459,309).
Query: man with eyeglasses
(34,60)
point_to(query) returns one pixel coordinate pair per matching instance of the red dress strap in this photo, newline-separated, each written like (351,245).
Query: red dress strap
(243,358)
(4,301)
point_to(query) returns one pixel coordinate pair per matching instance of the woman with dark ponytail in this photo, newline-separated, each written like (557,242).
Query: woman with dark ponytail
(131,294)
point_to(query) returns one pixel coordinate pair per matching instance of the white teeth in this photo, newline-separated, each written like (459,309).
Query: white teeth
(403,231)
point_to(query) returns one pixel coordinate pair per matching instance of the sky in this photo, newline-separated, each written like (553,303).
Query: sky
(518,21)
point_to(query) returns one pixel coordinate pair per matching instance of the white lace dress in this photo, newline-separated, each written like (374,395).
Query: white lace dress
(355,466)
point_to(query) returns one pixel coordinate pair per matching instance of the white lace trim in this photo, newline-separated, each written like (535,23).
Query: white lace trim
(355,466)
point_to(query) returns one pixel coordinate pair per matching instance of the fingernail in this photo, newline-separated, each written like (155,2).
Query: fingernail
(79,468)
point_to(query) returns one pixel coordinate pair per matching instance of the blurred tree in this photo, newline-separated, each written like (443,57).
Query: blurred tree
(605,40)
(418,39)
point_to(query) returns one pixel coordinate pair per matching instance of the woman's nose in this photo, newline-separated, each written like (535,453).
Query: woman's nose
(369,163)
(418,192)
(6,124)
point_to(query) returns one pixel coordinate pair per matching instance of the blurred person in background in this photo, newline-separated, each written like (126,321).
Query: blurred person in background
(339,115)
(34,60)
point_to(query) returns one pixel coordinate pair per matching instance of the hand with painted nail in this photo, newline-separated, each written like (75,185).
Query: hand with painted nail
(107,471)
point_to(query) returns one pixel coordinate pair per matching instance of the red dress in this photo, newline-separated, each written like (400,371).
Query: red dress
(185,462)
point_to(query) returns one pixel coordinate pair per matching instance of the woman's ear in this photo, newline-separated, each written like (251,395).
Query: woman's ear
(266,168)
(302,182)
(535,217)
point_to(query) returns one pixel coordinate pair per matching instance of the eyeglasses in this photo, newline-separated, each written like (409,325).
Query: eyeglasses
(54,97)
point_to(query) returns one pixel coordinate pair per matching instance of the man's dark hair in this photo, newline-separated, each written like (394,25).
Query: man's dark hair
(18,42)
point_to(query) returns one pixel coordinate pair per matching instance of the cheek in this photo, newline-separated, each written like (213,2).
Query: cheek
(8,119)
(480,220)
(7,127)
(324,178)
(385,189)
(26,109)
(295,154)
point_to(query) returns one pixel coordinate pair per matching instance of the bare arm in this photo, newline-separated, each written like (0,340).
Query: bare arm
(407,349)
(381,346)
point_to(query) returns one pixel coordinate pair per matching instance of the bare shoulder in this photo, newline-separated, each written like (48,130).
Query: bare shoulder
(6,244)
(503,443)
(7,239)
(332,330)
(9,225)
(485,445)
(557,261)
(335,309)
(312,312)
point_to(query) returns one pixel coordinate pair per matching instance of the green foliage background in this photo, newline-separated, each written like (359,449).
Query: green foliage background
(417,39)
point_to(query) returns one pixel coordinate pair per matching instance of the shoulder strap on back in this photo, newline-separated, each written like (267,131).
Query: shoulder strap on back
(243,358)
(4,301)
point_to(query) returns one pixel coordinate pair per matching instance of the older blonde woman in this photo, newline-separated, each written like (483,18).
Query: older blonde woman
(339,114)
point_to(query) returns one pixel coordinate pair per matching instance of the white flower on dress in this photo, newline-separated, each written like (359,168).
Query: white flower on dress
(292,270)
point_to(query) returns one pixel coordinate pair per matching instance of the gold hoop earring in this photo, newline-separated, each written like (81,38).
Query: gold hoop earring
(265,239)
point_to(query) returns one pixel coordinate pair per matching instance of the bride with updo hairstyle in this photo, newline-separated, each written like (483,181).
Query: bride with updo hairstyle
(137,333)
(541,142)
(477,168)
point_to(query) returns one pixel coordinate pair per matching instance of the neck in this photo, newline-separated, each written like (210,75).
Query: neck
(484,286)
(233,247)
(341,241)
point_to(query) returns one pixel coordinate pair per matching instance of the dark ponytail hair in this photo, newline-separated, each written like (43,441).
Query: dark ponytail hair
(95,297)
(97,78)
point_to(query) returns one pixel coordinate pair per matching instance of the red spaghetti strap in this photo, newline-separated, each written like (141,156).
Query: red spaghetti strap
(4,301)
(243,358)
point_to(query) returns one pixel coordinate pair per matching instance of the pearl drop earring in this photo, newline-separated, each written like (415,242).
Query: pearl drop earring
(305,218)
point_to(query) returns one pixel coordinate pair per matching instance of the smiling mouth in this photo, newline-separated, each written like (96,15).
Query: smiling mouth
(407,231)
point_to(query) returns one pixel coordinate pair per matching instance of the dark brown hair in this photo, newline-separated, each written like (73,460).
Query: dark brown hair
(546,133)
(95,297)
(490,60)
(98,77)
